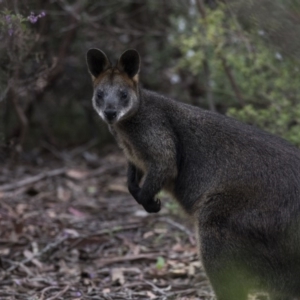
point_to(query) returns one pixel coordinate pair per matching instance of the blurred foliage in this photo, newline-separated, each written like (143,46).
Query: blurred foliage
(240,58)
(45,87)
(266,75)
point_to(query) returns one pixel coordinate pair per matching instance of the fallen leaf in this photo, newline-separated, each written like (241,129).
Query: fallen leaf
(65,269)
(178,248)
(37,263)
(21,207)
(117,276)
(117,188)
(148,234)
(72,232)
(160,230)
(151,295)
(191,270)
(51,214)
(196,264)
(140,213)
(178,272)
(76,212)
(92,190)
(76,174)
(28,254)
(4,251)
(63,194)
(160,263)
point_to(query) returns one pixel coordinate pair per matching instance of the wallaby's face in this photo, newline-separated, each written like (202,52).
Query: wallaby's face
(115,95)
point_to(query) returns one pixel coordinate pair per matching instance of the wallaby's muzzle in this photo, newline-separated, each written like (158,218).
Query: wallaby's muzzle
(110,114)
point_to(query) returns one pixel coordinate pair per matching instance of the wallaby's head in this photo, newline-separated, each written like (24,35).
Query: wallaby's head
(115,95)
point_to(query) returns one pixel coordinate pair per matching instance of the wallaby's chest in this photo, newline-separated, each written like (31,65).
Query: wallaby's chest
(131,151)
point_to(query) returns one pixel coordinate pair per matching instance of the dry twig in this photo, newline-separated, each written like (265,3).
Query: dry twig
(49,247)
(178,226)
(109,261)
(59,293)
(31,180)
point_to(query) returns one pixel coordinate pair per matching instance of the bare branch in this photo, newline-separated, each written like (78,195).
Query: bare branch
(59,293)
(233,83)
(206,67)
(31,180)
(47,248)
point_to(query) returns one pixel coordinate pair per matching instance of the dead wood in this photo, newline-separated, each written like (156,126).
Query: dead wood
(31,180)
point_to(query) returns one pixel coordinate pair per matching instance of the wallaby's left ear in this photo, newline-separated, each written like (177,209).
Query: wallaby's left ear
(97,62)
(129,62)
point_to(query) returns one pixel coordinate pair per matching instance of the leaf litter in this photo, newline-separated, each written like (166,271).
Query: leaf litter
(73,232)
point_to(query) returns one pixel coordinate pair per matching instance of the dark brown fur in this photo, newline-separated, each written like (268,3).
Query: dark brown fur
(240,184)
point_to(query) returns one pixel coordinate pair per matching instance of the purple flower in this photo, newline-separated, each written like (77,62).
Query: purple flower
(8,18)
(10,32)
(33,19)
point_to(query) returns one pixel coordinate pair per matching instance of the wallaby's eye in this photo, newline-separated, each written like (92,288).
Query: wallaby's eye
(124,95)
(100,94)
(99,97)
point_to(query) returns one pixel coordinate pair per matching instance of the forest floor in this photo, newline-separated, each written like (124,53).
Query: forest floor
(70,230)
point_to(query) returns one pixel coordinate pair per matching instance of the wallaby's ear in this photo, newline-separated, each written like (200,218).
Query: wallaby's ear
(129,62)
(97,62)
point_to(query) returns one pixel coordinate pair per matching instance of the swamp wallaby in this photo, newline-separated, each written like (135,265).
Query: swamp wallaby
(241,185)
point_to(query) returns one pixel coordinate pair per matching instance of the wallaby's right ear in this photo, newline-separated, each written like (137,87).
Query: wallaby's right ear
(129,62)
(97,62)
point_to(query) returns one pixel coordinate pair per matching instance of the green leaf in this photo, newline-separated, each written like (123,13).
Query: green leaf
(160,263)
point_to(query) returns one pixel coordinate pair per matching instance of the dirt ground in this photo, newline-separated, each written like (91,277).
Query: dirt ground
(70,230)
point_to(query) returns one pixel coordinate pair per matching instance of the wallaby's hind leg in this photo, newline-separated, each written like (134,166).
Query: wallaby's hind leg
(227,287)
(228,279)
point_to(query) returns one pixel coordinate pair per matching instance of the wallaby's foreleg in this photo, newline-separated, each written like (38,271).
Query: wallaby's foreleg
(146,194)
(154,182)
(134,176)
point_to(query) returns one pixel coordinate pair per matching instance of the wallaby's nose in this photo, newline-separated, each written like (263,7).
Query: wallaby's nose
(110,114)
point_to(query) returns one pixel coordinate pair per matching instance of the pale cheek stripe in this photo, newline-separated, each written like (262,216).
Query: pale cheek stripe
(101,115)
(121,114)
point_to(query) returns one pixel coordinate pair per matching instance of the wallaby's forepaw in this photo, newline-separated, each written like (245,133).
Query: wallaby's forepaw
(134,191)
(152,206)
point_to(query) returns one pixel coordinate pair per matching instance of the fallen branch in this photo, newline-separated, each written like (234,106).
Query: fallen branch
(47,289)
(186,292)
(178,226)
(155,288)
(42,252)
(82,175)
(60,293)
(233,83)
(31,180)
(12,194)
(109,261)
